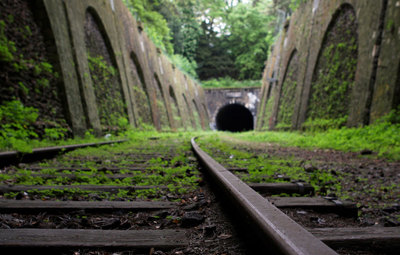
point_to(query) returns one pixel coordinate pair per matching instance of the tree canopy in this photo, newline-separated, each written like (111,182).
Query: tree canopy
(212,39)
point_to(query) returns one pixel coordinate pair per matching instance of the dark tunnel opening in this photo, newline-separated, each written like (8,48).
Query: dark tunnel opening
(234,118)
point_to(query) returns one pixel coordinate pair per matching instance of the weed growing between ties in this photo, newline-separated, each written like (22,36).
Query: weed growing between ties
(159,161)
(262,168)
(364,172)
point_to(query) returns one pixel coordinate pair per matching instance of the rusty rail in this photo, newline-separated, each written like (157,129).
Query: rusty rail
(274,228)
(14,157)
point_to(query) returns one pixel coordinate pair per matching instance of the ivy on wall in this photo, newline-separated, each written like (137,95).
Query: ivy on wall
(334,74)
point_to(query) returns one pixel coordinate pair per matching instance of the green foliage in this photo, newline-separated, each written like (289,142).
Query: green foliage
(7,47)
(228,82)
(110,104)
(264,168)
(226,38)
(268,111)
(382,137)
(155,24)
(178,173)
(16,125)
(250,36)
(324,124)
(287,99)
(334,75)
(184,64)
(54,134)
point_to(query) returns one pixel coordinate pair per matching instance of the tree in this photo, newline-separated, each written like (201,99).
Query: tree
(154,23)
(250,37)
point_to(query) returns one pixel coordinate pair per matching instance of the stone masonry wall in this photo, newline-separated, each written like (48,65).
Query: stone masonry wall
(89,34)
(348,59)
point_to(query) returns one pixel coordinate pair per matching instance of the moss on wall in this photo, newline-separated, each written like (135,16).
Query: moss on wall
(28,72)
(288,91)
(196,116)
(161,105)
(140,92)
(175,108)
(269,107)
(334,74)
(104,73)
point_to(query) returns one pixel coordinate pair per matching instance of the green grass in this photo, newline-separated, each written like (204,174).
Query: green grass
(264,168)
(382,138)
(175,172)
(228,82)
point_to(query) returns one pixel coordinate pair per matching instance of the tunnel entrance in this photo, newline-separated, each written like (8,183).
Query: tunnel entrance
(234,118)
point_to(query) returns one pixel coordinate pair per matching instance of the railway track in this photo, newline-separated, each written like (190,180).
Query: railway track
(140,197)
(149,197)
(274,217)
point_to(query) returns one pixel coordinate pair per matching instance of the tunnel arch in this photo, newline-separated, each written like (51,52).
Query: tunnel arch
(234,118)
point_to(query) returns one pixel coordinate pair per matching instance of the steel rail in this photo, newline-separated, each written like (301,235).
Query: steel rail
(275,229)
(13,157)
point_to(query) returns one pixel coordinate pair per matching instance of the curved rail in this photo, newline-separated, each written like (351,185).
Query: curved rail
(13,157)
(274,228)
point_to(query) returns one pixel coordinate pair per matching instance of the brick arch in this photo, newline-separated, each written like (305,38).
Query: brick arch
(334,73)
(104,72)
(288,92)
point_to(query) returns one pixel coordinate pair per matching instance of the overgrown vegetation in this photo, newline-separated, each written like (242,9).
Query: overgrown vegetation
(173,173)
(334,75)
(288,94)
(110,104)
(264,168)
(382,137)
(228,82)
(214,39)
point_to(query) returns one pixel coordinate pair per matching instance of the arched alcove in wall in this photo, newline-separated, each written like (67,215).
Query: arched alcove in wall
(396,101)
(196,115)
(334,73)
(104,72)
(205,112)
(140,91)
(30,69)
(189,111)
(176,113)
(288,92)
(161,104)
(234,118)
